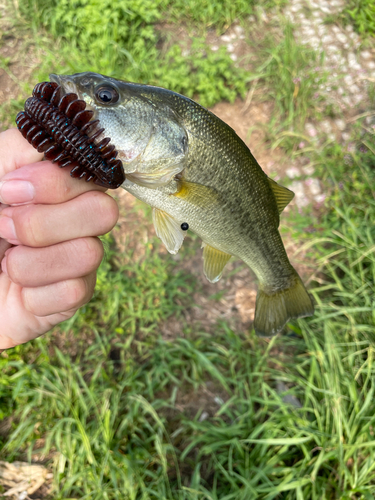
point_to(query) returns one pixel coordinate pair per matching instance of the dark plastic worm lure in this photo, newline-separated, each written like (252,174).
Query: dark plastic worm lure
(59,126)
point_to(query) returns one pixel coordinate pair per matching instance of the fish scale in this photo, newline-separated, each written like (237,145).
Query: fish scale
(195,170)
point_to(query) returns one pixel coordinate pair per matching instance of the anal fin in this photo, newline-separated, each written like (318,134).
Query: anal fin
(214,262)
(168,229)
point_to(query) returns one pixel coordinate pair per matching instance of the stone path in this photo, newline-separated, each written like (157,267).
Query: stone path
(350,68)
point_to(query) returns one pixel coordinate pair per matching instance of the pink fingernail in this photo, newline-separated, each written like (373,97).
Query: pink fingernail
(7,230)
(16,192)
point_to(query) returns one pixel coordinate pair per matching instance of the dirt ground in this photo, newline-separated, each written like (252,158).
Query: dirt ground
(18,58)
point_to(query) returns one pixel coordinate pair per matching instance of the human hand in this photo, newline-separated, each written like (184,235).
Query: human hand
(53,222)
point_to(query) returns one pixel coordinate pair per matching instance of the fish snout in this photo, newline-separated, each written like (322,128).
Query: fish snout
(65,82)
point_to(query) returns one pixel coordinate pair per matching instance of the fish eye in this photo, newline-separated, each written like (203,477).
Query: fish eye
(106,94)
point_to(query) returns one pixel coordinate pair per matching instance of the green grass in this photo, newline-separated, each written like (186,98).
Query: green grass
(119,411)
(130,43)
(358,13)
(118,408)
(361,14)
(218,14)
(290,76)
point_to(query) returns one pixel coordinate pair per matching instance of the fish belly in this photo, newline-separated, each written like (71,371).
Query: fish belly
(260,247)
(281,294)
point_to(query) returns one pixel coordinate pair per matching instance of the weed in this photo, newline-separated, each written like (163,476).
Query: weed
(121,412)
(204,72)
(126,44)
(291,75)
(219,14)
(114,414)
(361,13)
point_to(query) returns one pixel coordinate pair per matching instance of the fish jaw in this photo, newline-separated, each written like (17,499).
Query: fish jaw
(150,141)
(67,84)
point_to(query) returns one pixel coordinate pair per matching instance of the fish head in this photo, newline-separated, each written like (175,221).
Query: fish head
(98,91)
(150,138)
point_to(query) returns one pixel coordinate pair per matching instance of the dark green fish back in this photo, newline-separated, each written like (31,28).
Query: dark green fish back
(218,157)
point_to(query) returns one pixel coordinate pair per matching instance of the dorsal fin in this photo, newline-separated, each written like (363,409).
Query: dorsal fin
(282,195)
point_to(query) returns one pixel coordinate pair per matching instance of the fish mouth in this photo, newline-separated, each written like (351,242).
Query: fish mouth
(65,82)
(69,84)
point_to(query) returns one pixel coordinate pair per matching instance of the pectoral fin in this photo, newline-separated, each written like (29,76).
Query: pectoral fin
(154,179)
(196,194)
(169,230)
(282,194)
(214,262)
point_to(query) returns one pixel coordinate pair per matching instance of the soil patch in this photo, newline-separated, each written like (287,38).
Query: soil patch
(18,59)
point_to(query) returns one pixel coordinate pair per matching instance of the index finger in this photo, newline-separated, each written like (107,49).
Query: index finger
(45,182)
(15,151)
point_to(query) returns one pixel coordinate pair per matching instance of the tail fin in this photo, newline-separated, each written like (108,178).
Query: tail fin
(272,311)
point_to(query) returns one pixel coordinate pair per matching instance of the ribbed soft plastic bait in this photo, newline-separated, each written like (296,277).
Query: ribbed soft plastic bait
(59,126)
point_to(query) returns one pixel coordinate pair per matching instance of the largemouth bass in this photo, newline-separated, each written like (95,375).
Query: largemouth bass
(197,173)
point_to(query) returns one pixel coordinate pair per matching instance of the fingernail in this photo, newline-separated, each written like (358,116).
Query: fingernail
(12,192)
(7,230)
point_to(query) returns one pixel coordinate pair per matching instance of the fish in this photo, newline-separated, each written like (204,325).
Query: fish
(197,174)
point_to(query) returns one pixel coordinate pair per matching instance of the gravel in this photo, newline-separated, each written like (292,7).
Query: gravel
(346,63)
(349,68)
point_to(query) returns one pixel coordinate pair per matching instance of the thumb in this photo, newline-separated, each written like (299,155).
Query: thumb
(15,151)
